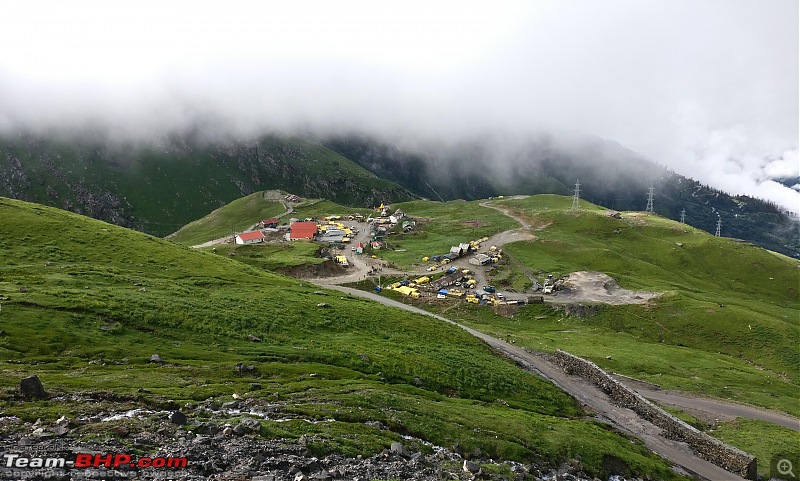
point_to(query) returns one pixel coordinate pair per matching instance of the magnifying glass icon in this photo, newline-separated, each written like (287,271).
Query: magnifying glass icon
(785,468)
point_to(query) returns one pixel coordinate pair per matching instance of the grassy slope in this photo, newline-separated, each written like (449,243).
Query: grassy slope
(440,226)
(195,309)
(161,188)
(317,208)
(727,324)
(720,295)
(237,216)
(273,256)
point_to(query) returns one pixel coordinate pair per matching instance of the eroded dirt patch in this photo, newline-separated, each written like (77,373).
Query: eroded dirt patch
(584,286)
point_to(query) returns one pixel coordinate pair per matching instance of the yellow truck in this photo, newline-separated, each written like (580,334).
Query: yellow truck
(422,280)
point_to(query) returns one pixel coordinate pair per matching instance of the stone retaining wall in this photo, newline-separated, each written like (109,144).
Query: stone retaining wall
(705,446)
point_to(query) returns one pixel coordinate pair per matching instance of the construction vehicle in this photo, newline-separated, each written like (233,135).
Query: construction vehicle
(342,261)
(549,285)
(472,299)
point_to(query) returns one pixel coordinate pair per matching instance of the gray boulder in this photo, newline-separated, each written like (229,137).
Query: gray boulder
(31,388)
(399,448)
(178,418)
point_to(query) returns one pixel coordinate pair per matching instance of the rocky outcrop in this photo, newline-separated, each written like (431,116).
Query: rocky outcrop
(705,446)
(214,449)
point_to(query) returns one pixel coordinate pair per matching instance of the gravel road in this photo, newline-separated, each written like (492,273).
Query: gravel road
(587,394)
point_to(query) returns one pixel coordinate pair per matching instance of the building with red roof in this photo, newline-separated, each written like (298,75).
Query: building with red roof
(271,222)
(253,237)
(302,230)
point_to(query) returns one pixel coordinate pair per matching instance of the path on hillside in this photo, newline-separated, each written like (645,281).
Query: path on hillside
(587,394)
(522,222)
(592,397)
(222,240)
(708,409)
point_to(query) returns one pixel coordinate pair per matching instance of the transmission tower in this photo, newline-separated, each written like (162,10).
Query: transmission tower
(576,197)
(683,216)
(650,193)
(719,227)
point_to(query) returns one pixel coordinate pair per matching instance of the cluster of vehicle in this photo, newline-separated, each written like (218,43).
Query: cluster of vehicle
(455,253)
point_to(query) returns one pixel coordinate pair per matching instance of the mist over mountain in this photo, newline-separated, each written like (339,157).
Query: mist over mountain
(708,89)
(161,185)
(158,187)
(609,175)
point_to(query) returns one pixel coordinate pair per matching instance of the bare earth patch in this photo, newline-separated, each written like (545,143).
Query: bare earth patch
(586,286)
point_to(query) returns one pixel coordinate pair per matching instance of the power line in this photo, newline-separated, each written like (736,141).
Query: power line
(650,193)
(576,197)
(437,194)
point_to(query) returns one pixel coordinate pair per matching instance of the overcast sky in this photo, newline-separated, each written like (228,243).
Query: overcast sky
(707,87)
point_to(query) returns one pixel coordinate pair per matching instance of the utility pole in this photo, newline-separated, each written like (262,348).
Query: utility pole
(576,197)
(683,216)
(650,193)
(719,227)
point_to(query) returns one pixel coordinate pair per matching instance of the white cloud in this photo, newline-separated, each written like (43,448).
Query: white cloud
(708,88)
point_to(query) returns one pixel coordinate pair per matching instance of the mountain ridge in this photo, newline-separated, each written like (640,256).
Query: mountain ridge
(161,186)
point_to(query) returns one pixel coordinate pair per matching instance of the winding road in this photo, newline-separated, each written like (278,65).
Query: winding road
(587,394)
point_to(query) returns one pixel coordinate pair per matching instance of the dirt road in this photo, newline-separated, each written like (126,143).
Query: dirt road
(598,287)
(223,240)
(587,394)
(710,410)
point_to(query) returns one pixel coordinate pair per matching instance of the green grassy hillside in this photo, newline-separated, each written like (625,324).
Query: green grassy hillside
(726,325)
(161,186)
(85,304)
(233,217)
(719,294)
(442,225)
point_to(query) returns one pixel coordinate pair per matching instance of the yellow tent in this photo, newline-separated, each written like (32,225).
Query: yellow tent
(407,291)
